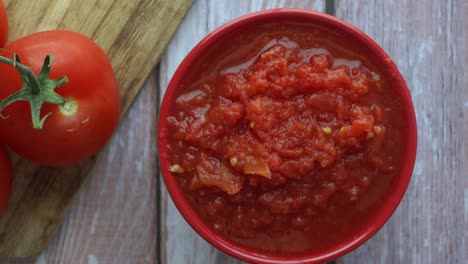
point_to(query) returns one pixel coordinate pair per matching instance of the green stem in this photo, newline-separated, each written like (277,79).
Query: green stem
(36,90)
(35,86)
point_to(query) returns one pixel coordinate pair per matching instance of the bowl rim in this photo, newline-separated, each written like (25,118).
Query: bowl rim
(397,191)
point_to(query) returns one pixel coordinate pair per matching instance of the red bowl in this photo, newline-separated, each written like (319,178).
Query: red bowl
(380,59)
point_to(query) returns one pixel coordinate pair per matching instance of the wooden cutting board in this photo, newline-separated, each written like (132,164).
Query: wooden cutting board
(133,33)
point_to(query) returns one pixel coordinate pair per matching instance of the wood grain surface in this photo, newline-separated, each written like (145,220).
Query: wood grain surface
(464,143)
(427,41)
(174,229)
(133,34)
(124,215)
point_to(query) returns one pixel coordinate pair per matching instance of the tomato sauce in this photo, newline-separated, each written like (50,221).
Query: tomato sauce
(285,138)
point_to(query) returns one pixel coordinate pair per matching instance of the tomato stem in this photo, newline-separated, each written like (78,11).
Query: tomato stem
(24,71)
(37,90)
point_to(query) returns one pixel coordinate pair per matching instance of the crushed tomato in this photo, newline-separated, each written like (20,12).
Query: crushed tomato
(285,141)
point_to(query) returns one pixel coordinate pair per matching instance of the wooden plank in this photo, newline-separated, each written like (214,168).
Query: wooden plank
(464,159)
(425,39)
(180,244)
(133,34)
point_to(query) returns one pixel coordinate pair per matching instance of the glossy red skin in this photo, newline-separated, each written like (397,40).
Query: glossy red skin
(63,139)
(5,178)
(373,52)
(3,25)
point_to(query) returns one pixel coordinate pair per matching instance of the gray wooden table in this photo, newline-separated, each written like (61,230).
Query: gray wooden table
(126,215)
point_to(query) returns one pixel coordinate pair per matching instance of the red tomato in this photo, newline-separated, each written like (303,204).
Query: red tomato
(3,25)
(86,122)
(5,178)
